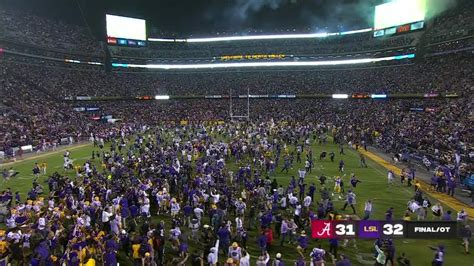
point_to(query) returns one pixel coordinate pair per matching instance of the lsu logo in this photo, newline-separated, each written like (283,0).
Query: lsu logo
(369,229)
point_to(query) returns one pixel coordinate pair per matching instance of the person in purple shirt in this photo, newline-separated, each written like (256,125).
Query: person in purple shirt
(333,244)
(317,255)
(343,261)
(72,258)
(134,210)
(447,216)
(188,210)
(321,211)
(451,186)
(262,241)
(300,262)
(17,197)
(110,258)
(32,194)
(302,243)
(433,182)
(42,252)
(312,189)
(266,220)
(224,238)
(389,214)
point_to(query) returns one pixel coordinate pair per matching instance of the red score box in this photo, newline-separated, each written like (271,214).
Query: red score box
(322,229)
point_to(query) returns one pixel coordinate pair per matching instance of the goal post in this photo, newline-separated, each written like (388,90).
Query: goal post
(238,114)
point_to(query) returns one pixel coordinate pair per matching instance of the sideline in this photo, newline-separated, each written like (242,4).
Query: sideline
(46,154)
(441,197)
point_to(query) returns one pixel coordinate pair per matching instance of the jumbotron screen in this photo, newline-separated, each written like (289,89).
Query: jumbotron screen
(126,28)
(399,12)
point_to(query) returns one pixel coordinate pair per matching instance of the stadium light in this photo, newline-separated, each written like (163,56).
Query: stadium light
(340,96)
(162,97)
(355,31)
(262,64)
(260,37)
(166,40)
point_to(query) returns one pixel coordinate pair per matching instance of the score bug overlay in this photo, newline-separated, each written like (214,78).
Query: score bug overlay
(323,229)
(432,229)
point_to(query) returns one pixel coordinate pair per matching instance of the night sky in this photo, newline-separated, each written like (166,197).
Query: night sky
(186,18)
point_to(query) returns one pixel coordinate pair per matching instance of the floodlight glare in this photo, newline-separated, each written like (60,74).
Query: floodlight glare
(340,96)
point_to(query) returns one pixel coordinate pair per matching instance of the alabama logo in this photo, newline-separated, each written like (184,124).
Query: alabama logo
(322,229)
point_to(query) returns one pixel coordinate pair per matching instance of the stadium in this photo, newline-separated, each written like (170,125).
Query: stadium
(260,132)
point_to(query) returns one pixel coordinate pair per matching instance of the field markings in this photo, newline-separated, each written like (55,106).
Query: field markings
(443,198)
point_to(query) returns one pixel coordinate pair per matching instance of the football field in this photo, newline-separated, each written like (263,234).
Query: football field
(373,186)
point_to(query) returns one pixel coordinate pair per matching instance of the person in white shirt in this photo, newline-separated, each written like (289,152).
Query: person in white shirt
(245,260)
(145,207)
(297,215)
(283,203)
(293,199)
(263,260)
(239,225)
(390,177)
(235,252)
(174,208)
(215,197)
(307,202)
(462,216)
(41,223)
(212,258)
(307,166)
(106,214)
(302,174)
(367,209)
(413,206)
(198,212)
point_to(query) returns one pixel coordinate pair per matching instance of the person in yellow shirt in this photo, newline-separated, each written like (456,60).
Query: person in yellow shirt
(417,185)
(407,216)
(77,167)
(44,167)
(3,245)
(136,253)
(89,261)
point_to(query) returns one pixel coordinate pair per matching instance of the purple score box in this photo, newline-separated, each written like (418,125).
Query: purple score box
(369,229)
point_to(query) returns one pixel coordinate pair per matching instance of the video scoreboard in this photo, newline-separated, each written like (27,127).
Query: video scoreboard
(368,229)
(125,31)
(399,16)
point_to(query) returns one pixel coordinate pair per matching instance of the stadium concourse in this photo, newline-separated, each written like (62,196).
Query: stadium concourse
(94,172)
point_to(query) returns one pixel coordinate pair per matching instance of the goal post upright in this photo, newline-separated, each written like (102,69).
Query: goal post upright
(231,106)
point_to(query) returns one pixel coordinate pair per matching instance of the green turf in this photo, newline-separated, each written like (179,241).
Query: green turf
(374,186)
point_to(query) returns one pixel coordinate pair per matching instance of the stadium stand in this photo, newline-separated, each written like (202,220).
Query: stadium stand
(57,89)
(26,28)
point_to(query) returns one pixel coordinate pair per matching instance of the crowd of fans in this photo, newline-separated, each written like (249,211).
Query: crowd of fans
(153,196)
(41,115)
(452,24)
(24,27)
(31,115)
(434,75)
